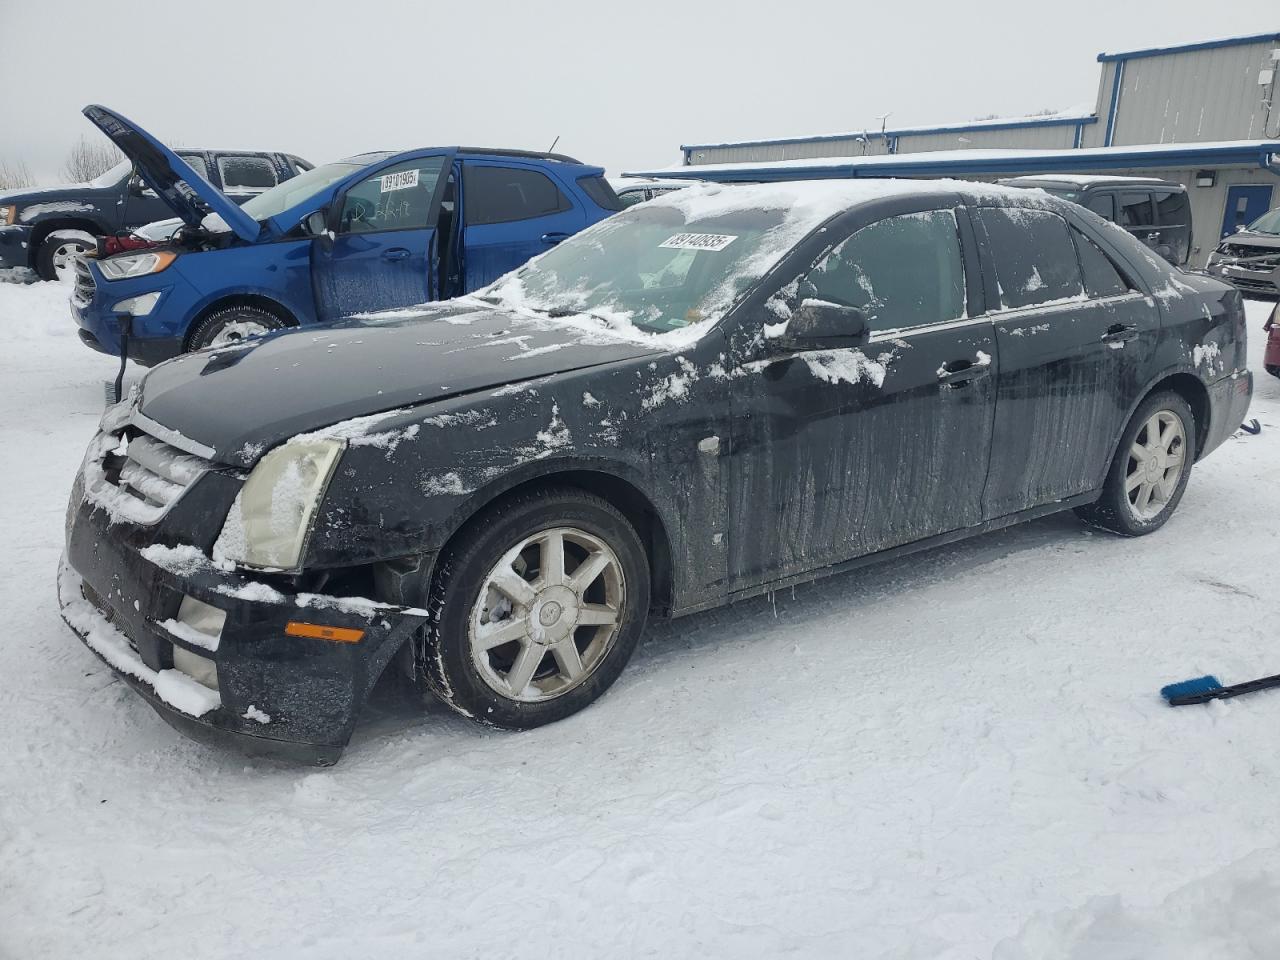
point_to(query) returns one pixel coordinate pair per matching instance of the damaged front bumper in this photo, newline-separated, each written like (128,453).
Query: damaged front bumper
(216,653)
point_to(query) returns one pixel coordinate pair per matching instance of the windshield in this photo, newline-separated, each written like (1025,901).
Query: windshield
(296,190)
(656,267)
(113,176)
(1267,223)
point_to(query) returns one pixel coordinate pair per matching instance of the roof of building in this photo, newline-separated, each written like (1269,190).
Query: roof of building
(1070,117)
(1190,47)
(1081,180)
(959,163)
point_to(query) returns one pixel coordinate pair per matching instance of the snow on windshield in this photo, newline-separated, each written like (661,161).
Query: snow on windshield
(669,269)
(113,176)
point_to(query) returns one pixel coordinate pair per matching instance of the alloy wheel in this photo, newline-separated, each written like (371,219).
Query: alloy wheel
(1156,461)
(64,259)
(237,331)
(547,615)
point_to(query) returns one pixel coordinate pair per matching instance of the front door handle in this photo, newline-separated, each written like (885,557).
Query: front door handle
(554,237)
(395,253)
(959,372)
(1120,333)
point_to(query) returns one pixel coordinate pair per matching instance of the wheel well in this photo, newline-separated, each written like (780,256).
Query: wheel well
(42,230)
(630,502)
(242,300)
(1197,396)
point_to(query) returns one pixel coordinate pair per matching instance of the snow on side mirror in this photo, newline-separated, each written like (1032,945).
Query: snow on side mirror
(820,324)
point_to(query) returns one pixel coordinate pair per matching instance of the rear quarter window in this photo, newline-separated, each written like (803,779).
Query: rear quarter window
(1035,260)
(601,194)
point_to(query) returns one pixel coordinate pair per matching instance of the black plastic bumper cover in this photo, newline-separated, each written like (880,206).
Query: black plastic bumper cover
(280,695)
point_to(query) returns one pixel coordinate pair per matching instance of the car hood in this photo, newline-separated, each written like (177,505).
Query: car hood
(240,401)
(187,194)
(56,194)
(1248,238)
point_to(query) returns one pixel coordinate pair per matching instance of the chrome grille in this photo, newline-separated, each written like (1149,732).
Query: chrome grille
(157,473)
(84,287)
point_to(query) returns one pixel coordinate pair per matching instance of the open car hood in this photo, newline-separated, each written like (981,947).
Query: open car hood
(242,400)
(188,194)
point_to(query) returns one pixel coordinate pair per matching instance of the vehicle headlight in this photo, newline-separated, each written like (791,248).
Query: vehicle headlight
(8,214)
(268,524)
(136,265)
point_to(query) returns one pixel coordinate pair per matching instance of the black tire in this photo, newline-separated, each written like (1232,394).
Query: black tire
(49,250)
(1273,369)
(217,323)
(1113,511)
(446,666)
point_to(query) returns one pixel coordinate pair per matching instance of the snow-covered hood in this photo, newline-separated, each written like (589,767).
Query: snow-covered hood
(1251,238)
(242,400)
(188,194)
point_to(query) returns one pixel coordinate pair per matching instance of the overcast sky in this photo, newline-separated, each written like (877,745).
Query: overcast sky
(622,85)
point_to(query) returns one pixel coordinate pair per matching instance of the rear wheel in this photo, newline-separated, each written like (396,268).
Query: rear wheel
(56,258)
(535,609)
(1150,470)
(234,324)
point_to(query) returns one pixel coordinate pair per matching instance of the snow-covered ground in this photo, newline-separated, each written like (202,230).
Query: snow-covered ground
(959,755)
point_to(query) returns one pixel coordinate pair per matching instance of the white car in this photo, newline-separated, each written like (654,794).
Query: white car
(633,190)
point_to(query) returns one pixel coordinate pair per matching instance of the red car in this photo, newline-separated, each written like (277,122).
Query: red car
(1271,359)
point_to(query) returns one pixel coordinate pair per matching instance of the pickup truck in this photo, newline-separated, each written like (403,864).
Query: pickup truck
(45,229)
(372,232)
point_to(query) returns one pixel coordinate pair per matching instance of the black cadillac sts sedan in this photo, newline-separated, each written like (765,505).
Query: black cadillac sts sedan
(704,398)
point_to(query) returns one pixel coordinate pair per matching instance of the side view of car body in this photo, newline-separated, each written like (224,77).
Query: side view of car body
(1157,212)
(46,229)
(373,232)
(1250,258)
(709,396)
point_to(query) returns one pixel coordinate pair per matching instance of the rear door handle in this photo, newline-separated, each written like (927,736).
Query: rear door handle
(1120,333)
(554,237)
(958,372)
(395,253)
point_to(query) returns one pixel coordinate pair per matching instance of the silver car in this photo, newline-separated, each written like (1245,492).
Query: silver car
(1250,259)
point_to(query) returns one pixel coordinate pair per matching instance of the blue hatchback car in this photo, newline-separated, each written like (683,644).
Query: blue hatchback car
(372,232)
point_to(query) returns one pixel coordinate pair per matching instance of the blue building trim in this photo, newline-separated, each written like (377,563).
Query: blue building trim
(1188,47)
(1116,80)
(1264,154)
(896,134)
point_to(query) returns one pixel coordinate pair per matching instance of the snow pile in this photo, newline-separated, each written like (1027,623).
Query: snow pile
(1231,913)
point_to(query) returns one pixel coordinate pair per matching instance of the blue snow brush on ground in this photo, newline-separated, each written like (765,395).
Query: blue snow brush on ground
(1204,689)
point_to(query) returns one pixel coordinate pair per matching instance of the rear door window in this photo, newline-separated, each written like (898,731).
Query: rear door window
(1135,210)
(242,175)
(494,194)
(196,162)
(1035,260)
(1101,276)
(395,198)
(901,272)
(1172,208)
(1104,205)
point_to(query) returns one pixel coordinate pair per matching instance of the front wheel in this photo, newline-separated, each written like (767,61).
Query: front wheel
(535,609)
(1150,470)
(231,325)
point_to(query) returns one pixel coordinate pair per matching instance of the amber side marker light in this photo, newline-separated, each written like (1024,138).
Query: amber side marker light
(296,628)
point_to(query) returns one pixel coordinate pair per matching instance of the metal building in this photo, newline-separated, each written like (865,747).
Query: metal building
(1218,91)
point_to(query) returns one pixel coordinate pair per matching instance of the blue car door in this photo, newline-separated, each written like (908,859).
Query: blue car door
(380,251)
(511,211)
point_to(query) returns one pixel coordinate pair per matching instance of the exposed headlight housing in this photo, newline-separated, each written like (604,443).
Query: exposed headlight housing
(8,214)
(269,522)
(136,264)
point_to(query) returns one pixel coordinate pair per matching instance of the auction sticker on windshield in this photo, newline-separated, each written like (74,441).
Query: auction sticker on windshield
(698,241)
(399,181)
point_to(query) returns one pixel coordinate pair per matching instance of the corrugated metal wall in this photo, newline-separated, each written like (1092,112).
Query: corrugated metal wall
(842,147)
(1194,96)
(1041,137)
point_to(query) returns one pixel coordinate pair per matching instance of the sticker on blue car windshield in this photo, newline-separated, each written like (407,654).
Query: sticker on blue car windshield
(698,241)
(399,181)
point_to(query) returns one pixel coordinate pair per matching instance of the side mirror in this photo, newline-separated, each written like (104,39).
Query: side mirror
(819,325)
(316,223)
